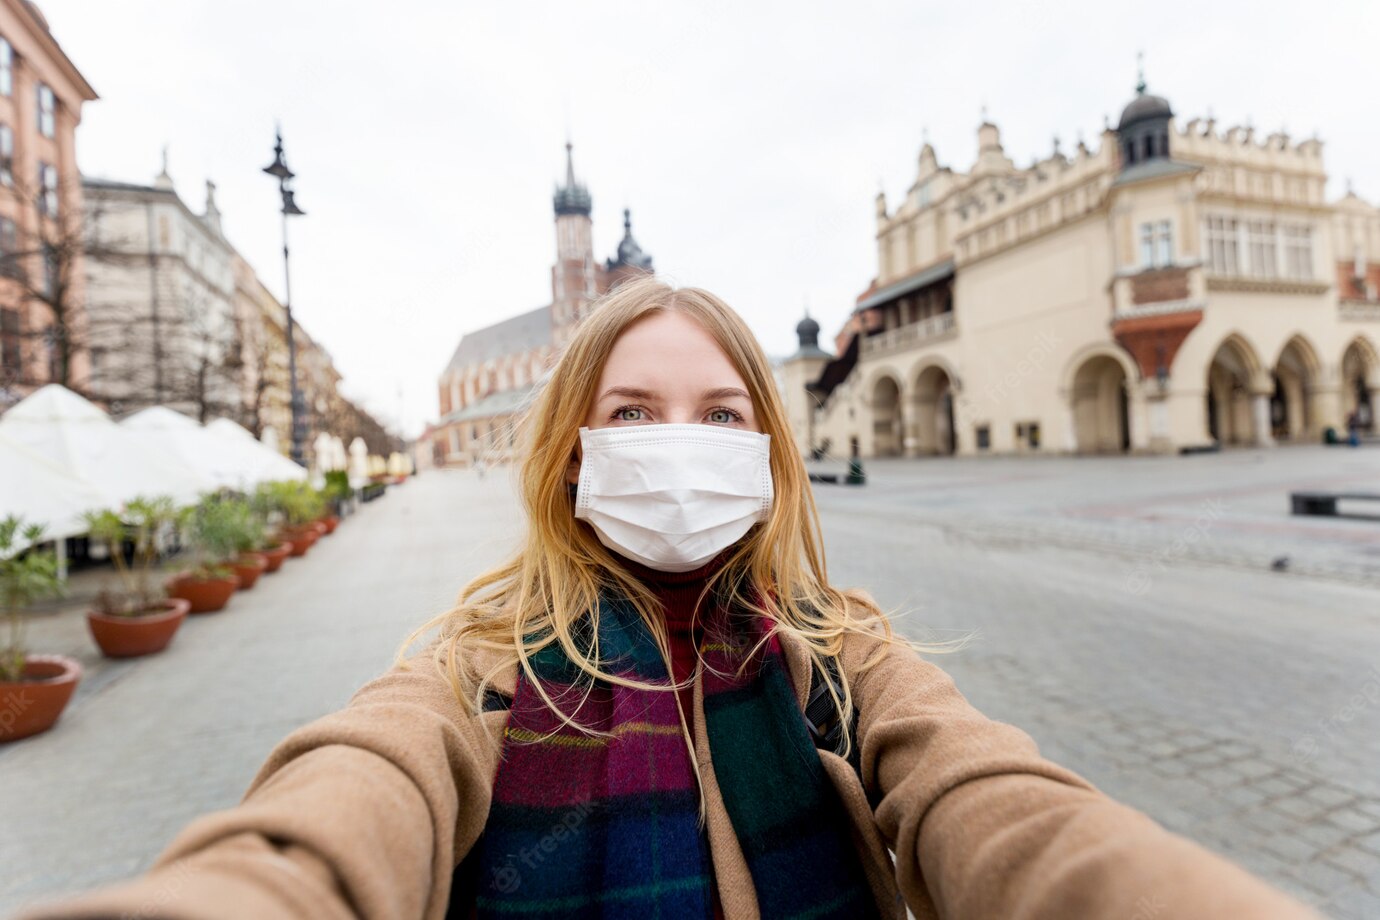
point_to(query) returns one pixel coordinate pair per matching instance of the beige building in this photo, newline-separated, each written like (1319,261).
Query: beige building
(494,370)
(1175,289)
(42,276)
(161,293)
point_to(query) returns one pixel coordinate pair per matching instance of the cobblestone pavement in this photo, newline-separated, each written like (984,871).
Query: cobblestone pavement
(1125,614)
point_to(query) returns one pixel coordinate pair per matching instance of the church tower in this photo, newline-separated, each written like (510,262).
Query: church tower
(572,277)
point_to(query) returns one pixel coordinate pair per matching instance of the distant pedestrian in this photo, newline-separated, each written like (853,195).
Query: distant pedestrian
(1353,429)
(660,707)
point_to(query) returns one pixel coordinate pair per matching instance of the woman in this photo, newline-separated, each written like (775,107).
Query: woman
(614,722)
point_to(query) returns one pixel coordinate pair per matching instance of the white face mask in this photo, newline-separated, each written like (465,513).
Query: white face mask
(673,496)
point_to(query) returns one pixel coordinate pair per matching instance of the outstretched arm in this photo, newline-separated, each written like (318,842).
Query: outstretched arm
(983,826)
(360,814)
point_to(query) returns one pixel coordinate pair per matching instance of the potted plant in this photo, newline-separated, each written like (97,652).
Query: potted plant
(249,538)
(212,530)
(263,506)
(299,506)
(34,689)
(336,492)
(134,620)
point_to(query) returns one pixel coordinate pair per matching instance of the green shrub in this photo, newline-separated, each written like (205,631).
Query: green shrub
(27,574)
(140,524)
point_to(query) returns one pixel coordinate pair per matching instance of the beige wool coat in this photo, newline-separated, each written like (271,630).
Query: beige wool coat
(364,813)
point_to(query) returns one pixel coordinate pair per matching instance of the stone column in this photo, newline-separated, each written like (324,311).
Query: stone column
(1260,416)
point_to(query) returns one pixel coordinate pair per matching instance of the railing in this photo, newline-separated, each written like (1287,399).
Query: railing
(911,334)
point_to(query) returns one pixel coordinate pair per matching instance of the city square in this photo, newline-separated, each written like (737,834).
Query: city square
(1067,317)
(1160,625)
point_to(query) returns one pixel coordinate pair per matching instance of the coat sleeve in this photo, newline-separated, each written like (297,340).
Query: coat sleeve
(983,826)
(360,814)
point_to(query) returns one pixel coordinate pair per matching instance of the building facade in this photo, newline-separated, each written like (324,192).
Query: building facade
(161,301)
(495,370)
(42,318)
(1175,289)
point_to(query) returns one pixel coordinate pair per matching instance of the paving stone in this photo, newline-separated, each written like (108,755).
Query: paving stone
(1353,819)
(1358,862)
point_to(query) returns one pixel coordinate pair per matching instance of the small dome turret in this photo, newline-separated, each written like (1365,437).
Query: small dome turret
(1143,131)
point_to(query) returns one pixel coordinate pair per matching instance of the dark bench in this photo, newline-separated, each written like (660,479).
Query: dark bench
(1325,503)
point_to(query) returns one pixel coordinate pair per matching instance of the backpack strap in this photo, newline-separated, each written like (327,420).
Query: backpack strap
(822,716)
(495,701)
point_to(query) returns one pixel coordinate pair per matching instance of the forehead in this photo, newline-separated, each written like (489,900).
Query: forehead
(668,351)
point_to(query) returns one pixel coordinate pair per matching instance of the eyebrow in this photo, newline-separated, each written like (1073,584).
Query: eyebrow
(637,393)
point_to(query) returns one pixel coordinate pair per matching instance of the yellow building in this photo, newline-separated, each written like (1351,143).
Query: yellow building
(1174,289)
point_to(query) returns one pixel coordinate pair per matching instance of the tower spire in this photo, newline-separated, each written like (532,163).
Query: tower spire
(572,198)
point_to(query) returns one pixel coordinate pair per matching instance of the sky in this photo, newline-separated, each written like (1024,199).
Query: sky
(749,139)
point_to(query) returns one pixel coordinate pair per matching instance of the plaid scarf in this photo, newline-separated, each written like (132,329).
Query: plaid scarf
(606,826)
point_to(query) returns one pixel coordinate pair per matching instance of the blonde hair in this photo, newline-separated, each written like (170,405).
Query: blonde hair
(540,595)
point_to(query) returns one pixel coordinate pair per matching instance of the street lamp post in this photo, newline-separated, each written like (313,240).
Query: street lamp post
(279,169)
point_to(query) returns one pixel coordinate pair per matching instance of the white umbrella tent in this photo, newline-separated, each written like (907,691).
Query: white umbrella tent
(41,492)
(184,438)
(248,454)
(78,439)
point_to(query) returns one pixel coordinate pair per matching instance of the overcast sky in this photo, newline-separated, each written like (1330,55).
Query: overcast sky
(748,138)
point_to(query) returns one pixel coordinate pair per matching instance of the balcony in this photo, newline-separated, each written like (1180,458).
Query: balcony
(931,329)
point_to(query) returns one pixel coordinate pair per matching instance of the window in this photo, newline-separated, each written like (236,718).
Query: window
(1260,241)
(984,437)
(1164,244)
(47,183)
(1028,434)
(50,270)
(6,68)
(1298,251)
(47,106)
(9,342)
(9,237)
(6,154)
(1223,247)
(1156,245)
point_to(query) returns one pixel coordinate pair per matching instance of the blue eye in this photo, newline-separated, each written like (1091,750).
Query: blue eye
(733,416)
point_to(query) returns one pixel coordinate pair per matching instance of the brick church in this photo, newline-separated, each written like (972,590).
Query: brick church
(495,371)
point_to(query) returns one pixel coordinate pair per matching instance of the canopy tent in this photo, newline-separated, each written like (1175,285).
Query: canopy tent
(41,492)
(184,438)
(82,442)
(247,453)
(359,463)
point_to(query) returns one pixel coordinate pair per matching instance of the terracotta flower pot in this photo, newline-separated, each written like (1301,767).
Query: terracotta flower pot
(138,634)
(207,595)
(332,522)
(275,555)
(34,704)
(320,528)
(249,567)
(300,539)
